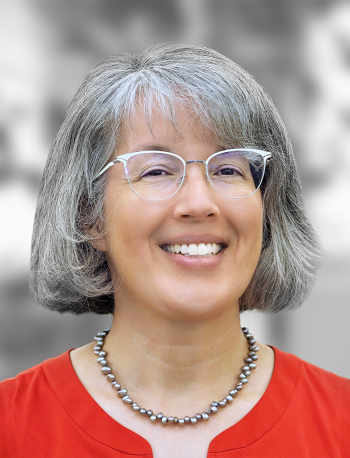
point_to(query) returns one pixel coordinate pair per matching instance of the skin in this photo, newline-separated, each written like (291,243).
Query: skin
(176,322)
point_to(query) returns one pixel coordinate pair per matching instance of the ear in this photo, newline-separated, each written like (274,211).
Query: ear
(98,238)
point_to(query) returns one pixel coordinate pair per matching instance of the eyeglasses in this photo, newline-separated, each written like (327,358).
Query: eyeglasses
(158,175)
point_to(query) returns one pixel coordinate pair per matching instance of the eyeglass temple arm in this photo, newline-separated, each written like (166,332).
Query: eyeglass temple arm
(106,168)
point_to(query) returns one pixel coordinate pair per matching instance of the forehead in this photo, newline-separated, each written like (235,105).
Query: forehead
(157,124)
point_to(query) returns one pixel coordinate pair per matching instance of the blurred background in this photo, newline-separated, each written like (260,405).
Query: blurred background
(298,50)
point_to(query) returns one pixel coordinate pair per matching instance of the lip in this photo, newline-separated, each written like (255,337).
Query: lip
(186,239)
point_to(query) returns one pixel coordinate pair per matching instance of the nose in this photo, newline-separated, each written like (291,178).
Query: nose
(195,199)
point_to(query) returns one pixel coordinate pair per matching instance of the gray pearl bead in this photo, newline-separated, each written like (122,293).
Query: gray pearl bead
(116,386)
(251,353)
(223,402)
(176,420)
(252,342)
(256,348)
(106,370)
(241,376)
(249,336)
(245,381)
(97,352)
(110,377)
(255,357)
(160,415)
(205,416)
(103,353)
(98,348)
(100,359)
(127,400)
(229,399)
(123,392)
(101,334)
(136,407)
(103,362)
(248,360)
(215,404)
(198,416)
(171,419)
(164,420)
(149,412)
(239,387)
(208,411)
(245,329)
(193,420)
(252,366)
(247,373)
(153,418)
(213,409)
(187,419)
(143,411)
(233,393)
(181,421)
(245,368)
(98,339)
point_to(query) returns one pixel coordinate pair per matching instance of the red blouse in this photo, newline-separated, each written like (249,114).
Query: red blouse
(46,412)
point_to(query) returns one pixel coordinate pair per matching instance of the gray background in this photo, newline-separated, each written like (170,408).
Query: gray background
(298,50)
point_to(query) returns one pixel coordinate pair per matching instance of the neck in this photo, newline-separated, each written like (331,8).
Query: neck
(154,357)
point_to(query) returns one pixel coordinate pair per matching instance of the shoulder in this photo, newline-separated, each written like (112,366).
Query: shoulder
(313,385)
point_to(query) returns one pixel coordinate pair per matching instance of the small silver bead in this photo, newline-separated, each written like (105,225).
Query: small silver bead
(110,377)
(143,411)
(252,347)
(171,419)
(223,402)
(229,399)
(193,420)
(241,376)
(97,352)
(255,357)
(98,348)
(198,416)
(149,412)
(239,387)
(215,403)
(247,373)
(181,421)
(205,416)
(213,409)
(101,334)
(249,336)
(176,420)
(164,420)
(245,381)
(136,407)
(245,330)
(233,393)
(103,353)
(252,366)
(106,370)
(256,348)
(251,353)
(187,419)
(160,415)
(208,411)
(116,386)
(245,368)
(153,418)
(99,359)
(98,339)
(127,400)
(123,392)
(248,360)
(103,362)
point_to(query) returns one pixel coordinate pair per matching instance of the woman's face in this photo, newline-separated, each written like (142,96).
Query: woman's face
(186,288)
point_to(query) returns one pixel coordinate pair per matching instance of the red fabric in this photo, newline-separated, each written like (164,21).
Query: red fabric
(46,412)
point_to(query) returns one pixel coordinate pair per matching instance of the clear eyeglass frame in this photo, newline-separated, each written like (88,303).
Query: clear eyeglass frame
(125,157)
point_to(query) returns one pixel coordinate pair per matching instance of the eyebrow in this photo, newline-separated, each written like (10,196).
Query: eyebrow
(151,147)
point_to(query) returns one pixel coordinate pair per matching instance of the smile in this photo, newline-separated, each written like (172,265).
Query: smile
(193,249)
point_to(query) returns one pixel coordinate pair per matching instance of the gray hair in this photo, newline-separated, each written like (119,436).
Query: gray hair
(67,272)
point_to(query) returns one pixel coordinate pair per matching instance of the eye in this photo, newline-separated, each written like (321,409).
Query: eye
(229,171)
(154,173)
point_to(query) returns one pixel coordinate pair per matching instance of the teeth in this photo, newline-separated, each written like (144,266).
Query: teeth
(194,249)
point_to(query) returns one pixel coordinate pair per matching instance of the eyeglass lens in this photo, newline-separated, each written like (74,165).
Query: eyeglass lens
(157,176)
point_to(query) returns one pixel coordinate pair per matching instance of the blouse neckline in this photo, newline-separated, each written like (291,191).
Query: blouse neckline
(97,424)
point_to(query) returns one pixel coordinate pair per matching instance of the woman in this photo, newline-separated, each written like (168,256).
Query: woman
(171,199)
